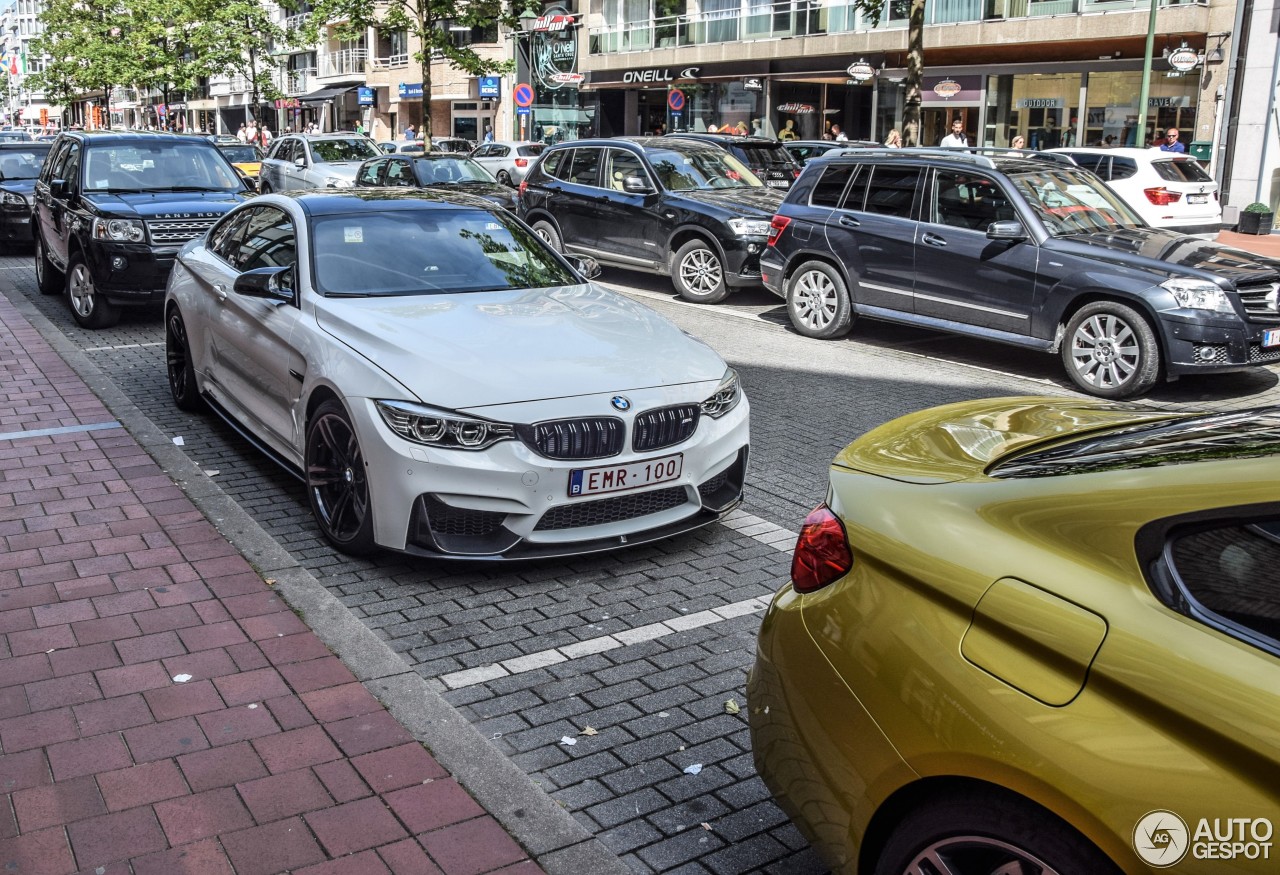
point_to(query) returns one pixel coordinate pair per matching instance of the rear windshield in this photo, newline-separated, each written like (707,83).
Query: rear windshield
(762,156)
(531,149)
(241,154)
(1181,170)
(1242,434)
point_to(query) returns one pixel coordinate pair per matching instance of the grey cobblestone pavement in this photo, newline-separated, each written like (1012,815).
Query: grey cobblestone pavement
(582,633)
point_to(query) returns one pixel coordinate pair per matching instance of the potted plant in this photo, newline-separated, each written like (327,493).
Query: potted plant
(1256,219)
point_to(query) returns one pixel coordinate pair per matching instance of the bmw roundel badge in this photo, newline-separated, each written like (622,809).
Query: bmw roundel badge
(620,402)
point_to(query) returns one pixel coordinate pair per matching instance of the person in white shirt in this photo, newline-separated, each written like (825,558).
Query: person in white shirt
(838,135)
(956,139)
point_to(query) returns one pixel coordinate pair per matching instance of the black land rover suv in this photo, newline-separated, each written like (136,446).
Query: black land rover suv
(1021,251)
(664,205)
(111,210)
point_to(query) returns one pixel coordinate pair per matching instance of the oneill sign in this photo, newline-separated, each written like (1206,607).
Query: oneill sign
(655,75)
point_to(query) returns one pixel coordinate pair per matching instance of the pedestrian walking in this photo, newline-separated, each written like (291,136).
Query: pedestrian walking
(409,133)
(241,135)
(956,139)
(838,135)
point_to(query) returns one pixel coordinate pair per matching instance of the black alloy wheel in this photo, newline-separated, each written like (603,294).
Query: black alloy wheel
(182,370)
(48,278)
(337,483)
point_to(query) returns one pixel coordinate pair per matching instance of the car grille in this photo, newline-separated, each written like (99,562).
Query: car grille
(177,230)
(446,520)
(572,439)
(612,510)
(1216,354)
(665,427)
(1256,306)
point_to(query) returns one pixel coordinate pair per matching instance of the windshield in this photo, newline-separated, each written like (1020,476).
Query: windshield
(346,149)
(433,171)
(242,154)
(22,163)
(1074,202)
(701,169)
(158,166)
(430,251)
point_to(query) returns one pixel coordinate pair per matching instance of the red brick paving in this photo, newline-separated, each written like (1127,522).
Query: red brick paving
(270,758)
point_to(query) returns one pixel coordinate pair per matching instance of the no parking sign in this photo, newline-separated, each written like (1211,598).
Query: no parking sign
(523,95)
(675,99)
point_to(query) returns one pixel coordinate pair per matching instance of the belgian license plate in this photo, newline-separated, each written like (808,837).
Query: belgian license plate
(616,478)
(1197,198)
(779,183)
(1271,337)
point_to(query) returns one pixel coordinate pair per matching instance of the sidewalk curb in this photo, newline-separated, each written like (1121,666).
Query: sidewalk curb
(558,842)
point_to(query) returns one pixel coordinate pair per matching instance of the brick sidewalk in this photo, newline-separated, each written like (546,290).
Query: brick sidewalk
(161,709)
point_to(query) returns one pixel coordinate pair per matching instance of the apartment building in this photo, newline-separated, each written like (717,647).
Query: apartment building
(19,27)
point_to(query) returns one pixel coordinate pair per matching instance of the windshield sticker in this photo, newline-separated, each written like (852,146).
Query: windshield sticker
(353,234)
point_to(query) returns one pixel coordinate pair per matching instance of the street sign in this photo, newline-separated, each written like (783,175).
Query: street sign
(523,95)
(523,110)
(675,99)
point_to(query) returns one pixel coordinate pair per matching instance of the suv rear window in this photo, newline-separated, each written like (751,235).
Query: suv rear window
(1181,170)
(775,158)
(552,162)
(533,149)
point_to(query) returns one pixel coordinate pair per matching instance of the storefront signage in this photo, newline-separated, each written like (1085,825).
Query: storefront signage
(567,78)
(665,74)
(1183,59)
(1040,103)
(951,90)
(753,84)
(861,71)
(364,96)
(552,23)
(288,103)
(947,89)
(490,86)
(554,53)
(1168,102)
(796,108)
(409,90)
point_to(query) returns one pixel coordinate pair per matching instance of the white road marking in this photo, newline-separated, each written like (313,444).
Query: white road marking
(744,523)
(122,346)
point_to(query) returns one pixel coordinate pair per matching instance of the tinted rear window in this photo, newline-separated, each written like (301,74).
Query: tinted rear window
(1122,168)
(829,188)
(763,156)
(892,191)
(1181,170)
(533,149)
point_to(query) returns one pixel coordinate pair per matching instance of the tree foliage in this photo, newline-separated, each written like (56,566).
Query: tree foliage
(83,40)
(874,10)
(427,21)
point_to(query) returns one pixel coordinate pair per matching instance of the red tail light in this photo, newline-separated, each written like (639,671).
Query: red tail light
(1162,197)
(776,227)
(522,162)
(822,551)
(796,173)
(524,186)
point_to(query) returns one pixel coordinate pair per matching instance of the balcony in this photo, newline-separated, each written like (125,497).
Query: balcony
(790,18)
(390,62)
(349,62)
(299,81)
(297,22)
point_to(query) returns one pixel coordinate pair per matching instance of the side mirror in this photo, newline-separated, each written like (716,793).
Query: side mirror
(58,187)
(300,161)
(636,185)
(1006,230)
(269,283)
(585,265)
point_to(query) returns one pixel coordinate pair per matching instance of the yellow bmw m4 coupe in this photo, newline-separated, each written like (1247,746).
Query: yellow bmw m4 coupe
(1032,636)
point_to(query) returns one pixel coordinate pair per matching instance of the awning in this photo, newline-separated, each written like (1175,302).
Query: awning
(325,94)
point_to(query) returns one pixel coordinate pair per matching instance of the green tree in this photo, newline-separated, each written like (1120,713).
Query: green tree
(239,36)
(874,10)
(166,52)
(85,42)
(427,20)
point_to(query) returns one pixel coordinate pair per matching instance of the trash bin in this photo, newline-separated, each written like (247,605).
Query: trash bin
(1201,149)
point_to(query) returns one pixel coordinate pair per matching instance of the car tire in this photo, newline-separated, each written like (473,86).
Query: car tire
(697,272)
(48,278)
(505,178)
(88,307)
(989,831)
(337,483)
(818,301)
(549,234)
(1110,351)
(180,365)
(264,187)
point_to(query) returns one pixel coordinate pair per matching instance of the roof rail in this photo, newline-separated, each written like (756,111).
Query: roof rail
(980,155)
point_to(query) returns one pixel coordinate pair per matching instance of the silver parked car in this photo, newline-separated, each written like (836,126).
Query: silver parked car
(299,161)
(509,161)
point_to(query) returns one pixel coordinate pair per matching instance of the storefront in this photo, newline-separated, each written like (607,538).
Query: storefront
(547,63)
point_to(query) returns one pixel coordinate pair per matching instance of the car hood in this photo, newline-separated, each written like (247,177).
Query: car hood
(1161,251)
(750,202)
(479,349)
(960,441)
(154,204)
(18,186)
(340,169)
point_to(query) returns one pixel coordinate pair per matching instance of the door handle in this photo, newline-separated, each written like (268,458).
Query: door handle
(850,222)
(933,239)
(221,291)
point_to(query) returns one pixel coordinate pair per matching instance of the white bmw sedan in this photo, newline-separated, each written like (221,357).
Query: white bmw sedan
(445,384)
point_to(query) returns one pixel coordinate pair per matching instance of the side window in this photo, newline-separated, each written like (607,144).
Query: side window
(399,173)
(267,241)
(498,151)
(1097,163)
(71,170)
(552,162)
(586,167)
(223,235)
(1228,570)
(621,165)
(1122,168)
(566,164)
(831,186)
(54,163)
(282,150)
(369,173)
(963,200)
(892,191)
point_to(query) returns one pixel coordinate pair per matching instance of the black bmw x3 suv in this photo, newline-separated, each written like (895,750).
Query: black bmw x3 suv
(1018,250)
(677,207)
(112,209)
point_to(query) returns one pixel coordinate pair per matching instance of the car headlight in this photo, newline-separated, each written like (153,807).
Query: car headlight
(337,182)
(750,227)
(726,396)
(119,230)
(12,199)
(438,428)
(1198,295)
